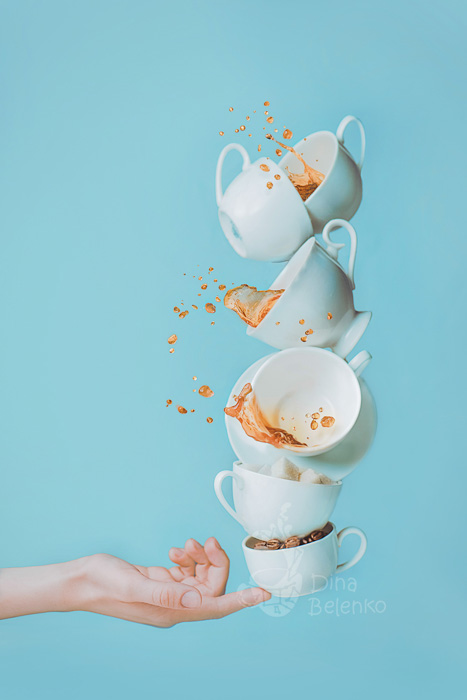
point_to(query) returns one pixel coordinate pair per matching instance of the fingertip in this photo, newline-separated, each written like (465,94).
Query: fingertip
(255,596)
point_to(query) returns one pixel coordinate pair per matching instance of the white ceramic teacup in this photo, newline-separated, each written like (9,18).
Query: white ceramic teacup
(340,193)
(300,570)
(294,384)
(261,223)
(319,292)
(268,507)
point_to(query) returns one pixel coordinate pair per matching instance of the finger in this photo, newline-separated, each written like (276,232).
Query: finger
(214,608)
(165,594)
(218,573)
(183,560)
(196,551)
(216,554)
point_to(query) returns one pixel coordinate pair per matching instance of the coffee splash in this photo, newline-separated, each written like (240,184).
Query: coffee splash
(248,413)
(251,304)
(305,183)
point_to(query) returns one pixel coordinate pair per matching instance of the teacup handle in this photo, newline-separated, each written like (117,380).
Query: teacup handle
(340,136)
(334,248)
(220,163)
(361,550)
(360,361)
(218,489)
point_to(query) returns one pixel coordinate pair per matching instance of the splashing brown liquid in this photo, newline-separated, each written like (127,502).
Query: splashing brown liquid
(308,181)
(248,413)
(251,304)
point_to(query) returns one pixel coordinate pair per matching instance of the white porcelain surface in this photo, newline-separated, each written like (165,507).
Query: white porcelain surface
(336,463)
(268,507)
(301,570)
(316,286)
(294,383)
(340,194)
(261,223)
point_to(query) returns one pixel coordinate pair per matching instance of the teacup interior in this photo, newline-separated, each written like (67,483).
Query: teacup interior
(232,234)
(319,150)
(297,389)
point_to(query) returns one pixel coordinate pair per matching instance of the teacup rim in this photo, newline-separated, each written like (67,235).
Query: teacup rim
(238,463)
(276,551)
(308,452)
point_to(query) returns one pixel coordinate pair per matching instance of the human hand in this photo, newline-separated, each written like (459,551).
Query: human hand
(193,589)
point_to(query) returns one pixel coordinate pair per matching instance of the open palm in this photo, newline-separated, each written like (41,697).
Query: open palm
(193,589)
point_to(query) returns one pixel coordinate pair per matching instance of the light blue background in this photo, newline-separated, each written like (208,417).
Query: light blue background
(109,139)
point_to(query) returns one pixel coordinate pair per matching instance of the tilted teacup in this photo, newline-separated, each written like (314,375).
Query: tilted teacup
(300,387)
(300,570)
(269,507)
(261,222)
(317,305)
(340,193)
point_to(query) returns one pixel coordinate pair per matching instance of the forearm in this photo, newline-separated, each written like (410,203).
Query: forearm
(36,589)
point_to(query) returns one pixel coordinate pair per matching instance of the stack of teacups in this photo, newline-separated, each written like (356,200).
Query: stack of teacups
(275,224)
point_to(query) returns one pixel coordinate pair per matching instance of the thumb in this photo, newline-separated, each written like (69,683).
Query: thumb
(165,594)
(233,602)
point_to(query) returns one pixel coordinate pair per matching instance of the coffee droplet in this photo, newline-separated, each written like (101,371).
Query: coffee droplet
(169,401)
(259,148)
(172,339)
(314,425)
(270,120)
(205,391)
(327,421)
(269,136)
(192,410)
(269,185)
(195,307)
(266,112)
(236,131)
(242,128)
(221,287)
(277,176)
(195,378)
(329,316)
(264,167)
(204,286)
(287,134)
(171,351)
(266,104)
(209,419)
(221,133)
(210,308)
(302,321)
(309,331)
(180,409)
(304,339)
(278,323)
(278,152)
(315,416)
(248,119)
(230,109)
(218,299)
(176,309)
(183,314)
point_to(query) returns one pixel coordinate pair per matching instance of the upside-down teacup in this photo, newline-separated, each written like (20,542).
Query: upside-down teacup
(340,193)
(261,222)
(317,305)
